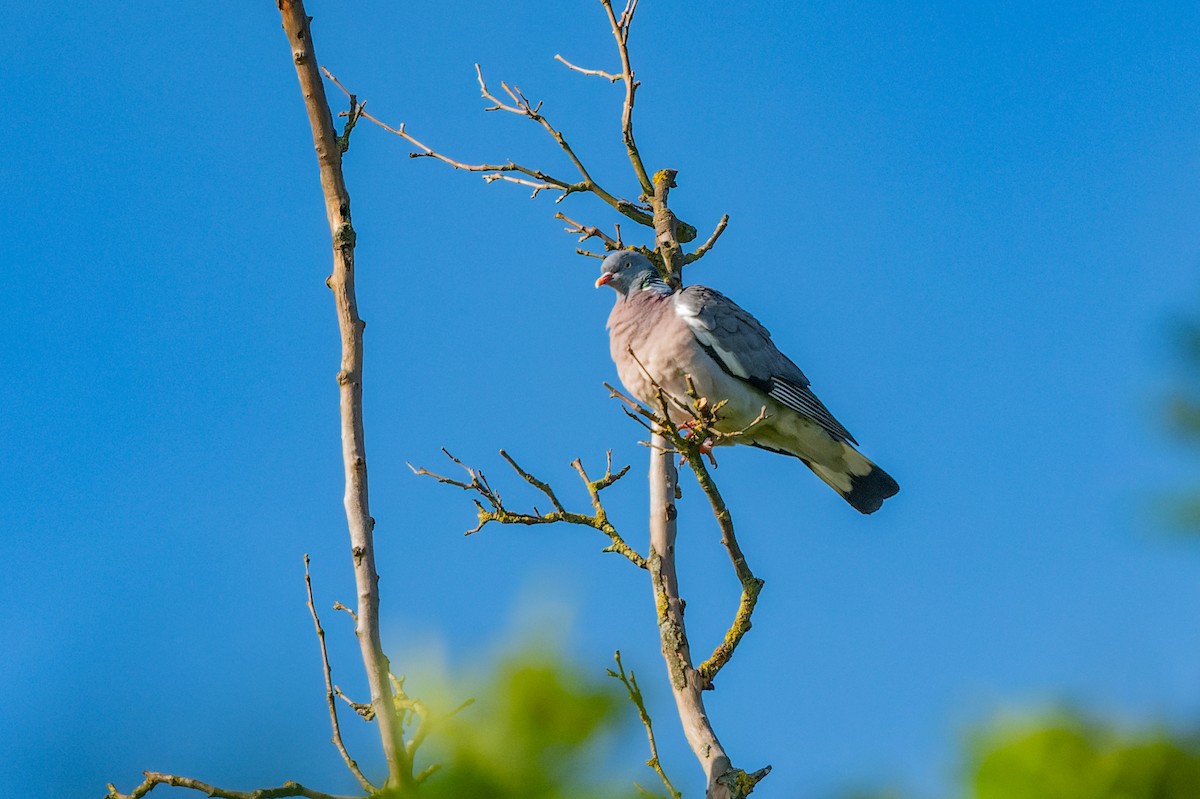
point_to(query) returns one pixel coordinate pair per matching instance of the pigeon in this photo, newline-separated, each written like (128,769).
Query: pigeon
(661,335)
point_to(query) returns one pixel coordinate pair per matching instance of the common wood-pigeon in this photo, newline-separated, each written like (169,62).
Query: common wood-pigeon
(729,355)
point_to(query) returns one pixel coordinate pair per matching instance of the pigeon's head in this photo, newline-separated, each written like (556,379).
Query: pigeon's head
(626,271)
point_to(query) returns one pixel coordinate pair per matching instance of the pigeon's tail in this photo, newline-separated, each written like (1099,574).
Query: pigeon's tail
(861,483)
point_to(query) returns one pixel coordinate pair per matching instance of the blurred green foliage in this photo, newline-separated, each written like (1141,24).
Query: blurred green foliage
(538,729)
(1069,757)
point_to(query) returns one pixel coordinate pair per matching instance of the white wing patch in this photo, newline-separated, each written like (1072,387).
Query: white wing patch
(704,335)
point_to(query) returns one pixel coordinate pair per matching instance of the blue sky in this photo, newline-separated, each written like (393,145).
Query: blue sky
(970,225)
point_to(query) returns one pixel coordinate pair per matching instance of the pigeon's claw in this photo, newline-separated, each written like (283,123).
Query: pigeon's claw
(706,446)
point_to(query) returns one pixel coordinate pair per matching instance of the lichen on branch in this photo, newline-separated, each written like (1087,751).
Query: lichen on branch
(496,511)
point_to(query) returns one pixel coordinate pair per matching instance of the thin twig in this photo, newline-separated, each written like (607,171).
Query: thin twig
(751,585)
(611,77)
(689,439)
(541,181)
(620,31)
(635,696)
(154,779)
(365,710)
(703,249)
(588,231)
(329,691)
(352,116)
(496,511)
(523,107)
(409,710)
(533,481)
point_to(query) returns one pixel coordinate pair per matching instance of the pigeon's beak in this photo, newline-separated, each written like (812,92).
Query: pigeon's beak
(605,278)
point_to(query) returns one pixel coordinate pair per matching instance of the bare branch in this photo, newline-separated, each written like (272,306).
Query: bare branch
(350,375)
(410,710)
(620,31)
(154,779)
(635,696)
(703,249)
(611,77)
(500,514)
(587,232)
(329,691)
(751,585)
(365,710)
(533,481)
(523,107)
(540,182)
(693,439)
(352,115)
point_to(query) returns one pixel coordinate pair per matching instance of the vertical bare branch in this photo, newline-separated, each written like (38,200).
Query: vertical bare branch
(620,30)
(666,228)
(358,516)
(686,684)
(329,689)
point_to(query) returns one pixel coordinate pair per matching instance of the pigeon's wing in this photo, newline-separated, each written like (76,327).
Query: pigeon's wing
(742,347)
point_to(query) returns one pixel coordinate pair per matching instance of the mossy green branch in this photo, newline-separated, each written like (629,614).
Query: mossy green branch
(496,511)
(639,702)
(693,441)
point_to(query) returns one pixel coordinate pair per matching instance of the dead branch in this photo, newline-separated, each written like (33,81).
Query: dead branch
(703,249)
(523,107)
(329,689)
(358,517)
(154,779)
(687,683)
(693,439)
(587,232)
(620,30)
(499,513)
(635,696)
(690,439)
(363,709)
(412,711)
(608,75)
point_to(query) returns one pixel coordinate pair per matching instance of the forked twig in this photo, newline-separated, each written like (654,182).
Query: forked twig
(496,511)
(689,439)
(154,779)
(329,690)
(588,231)
(620,30)
(635,696)
(410,711)
(366,711)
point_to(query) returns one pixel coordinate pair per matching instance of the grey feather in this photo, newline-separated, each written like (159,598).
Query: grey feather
(742,347)
(662,336)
